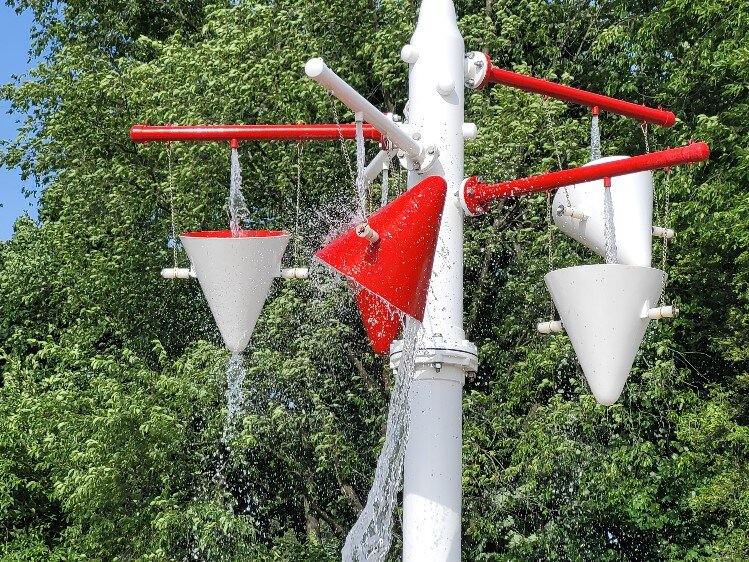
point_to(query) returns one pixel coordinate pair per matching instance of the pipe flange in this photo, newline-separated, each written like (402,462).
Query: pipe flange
(468,203)
(438,353)
(476,70)
(428,157)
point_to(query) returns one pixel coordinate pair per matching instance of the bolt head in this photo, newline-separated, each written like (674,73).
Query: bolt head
(478,64)
(430,150)
(416,166)
(470,82)
(470,55)
(416,136)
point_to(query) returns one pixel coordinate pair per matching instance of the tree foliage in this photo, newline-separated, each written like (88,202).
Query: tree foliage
(112,393)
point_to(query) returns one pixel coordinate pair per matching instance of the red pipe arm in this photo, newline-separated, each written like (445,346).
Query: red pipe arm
(576,95)
(229,133)
(477,195)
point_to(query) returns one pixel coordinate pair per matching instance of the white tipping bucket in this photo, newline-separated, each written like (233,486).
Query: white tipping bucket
(235,274)
(632,200)
(601,307)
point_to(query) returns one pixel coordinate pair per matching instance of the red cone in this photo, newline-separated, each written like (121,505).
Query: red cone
(398,266)
(381,321)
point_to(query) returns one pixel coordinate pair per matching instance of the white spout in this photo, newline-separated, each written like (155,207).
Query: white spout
(366,231)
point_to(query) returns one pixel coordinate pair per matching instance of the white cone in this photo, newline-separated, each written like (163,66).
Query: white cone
(601,307)
(632,199)
(235,275)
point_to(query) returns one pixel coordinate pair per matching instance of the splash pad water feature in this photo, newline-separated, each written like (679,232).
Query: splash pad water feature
(415,264)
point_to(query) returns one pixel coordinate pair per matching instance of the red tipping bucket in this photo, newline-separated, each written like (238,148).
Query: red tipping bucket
(381,321)
(397,267)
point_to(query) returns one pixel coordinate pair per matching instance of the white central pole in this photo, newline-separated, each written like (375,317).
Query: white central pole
(431,144)
(433,467)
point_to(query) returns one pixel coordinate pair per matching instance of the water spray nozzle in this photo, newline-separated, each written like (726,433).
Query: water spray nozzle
(366,231)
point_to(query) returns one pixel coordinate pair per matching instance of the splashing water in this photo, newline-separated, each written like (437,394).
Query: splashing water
(370,537)
(237,205)
(235,374)
(609,234)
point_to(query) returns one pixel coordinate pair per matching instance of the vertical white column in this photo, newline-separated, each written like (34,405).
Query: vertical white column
(432,478)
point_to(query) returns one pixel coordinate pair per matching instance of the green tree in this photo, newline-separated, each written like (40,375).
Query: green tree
(111,401)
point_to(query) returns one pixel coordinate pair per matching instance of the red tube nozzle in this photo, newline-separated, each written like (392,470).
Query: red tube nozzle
(232,133)
(477,195)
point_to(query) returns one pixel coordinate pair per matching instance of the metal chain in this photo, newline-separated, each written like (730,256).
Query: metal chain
(385,185)
(666,224)
(297,235)
(549,210)
(345,153)
(171,203)
(550,125)
(550,218)
(644,129)
(401,188)
(656,205)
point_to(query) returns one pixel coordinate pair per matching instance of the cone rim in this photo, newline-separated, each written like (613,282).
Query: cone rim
(601,265)
(222,234)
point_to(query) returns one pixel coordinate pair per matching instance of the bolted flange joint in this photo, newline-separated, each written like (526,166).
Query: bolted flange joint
(468,200)
(476,70)
(438,353)
(427,158)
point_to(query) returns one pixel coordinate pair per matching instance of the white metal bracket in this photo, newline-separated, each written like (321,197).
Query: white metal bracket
(178,273)
(658,312)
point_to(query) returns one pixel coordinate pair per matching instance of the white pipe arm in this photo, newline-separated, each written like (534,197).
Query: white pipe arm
(320,73)
(377,165)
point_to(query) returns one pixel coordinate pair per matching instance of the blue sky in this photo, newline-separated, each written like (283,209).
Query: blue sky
(14,59)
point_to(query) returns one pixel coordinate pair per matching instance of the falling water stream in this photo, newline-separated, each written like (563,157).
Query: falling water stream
(370,537)
(595,139)
(235,370)
(235,374)
(608,229)
(361,182)
(237,205)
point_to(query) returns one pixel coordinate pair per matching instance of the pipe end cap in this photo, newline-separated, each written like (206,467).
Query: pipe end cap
(314,67)
(409,53)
